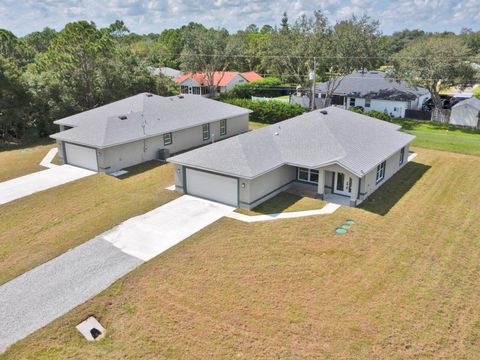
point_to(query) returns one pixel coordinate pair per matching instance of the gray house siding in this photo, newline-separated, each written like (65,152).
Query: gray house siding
(265,186)
(368,184)
(121,156)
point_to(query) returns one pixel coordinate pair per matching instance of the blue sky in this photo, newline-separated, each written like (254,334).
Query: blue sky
(24,16)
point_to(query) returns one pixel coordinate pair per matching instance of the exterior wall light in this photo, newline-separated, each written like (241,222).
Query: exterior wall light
(243,185)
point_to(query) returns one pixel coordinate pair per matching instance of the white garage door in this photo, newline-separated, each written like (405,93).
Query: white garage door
(81,156)
(214,187)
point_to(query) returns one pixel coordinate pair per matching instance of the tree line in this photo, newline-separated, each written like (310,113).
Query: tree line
(47,75)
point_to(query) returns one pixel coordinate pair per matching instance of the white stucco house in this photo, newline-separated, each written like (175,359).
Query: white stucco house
(197,84)
(334,152)
(375,90)
(145,127)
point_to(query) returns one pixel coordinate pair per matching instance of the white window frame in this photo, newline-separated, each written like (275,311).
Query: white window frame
(309,173)
(350,102)
(167,139)
(381,172)
(368,103)
(402,155)
(184,89)
(223,127)
(206,132)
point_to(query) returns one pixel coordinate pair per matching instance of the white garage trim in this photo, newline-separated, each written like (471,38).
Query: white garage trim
(211,186)
(81,156)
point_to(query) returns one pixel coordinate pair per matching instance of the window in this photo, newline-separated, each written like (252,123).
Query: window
(196,90)
(367,102)
(402,155)
(381,172)
(223,127)
(307,175)
(352,101)
(184,89)
(303,174)
(206,131)
(167,139)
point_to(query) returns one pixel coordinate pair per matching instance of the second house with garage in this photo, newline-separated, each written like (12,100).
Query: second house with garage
(145,127)
(333,153)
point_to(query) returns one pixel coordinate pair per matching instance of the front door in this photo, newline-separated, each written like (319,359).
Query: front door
(343,184)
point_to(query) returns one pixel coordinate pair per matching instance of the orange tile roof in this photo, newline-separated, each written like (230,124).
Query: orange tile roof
(251,76)
(217,77)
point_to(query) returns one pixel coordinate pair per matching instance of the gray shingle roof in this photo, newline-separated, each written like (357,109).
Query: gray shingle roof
(374,85)
(354,141)
(473,102)
(102,127)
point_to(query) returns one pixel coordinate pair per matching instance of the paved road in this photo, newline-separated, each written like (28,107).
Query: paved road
(41,180)
(45,293)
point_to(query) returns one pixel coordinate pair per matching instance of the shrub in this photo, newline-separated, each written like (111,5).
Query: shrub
(267,87)
(372,113)
(268,112)
(476,92)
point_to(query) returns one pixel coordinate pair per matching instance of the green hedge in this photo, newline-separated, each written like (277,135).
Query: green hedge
(476,92)
(268,112)
(373,113)
(268,87)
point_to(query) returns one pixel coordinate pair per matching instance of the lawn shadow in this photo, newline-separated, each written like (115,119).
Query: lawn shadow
(277,204)
(385,198)
(141,168)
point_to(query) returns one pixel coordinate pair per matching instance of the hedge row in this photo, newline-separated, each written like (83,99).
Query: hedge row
(268,112)
(373,113)
(268,87)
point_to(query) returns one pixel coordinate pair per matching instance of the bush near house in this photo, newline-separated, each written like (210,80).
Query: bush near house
(267,87)
(476,92)
(373,113)
(268,112)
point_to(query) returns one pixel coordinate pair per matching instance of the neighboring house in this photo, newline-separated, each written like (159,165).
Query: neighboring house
(165,71)
(197,83)
(466,113)
(335,153)
(375,90)
(145,127)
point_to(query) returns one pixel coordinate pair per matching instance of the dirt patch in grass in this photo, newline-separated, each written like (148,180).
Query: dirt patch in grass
(39,227)
(284,202)
(403,285)
(22,161)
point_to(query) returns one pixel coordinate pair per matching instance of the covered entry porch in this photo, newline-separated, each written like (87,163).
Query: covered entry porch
(331,183)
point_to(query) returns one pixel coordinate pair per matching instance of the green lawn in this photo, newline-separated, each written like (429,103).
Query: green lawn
(39,227)
(442,137)
(401,284)
(284,202)
(18,161)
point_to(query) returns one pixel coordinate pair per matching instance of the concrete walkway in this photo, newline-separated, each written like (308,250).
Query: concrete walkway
(327,209)
(47,160)
(45,293)
(42,180)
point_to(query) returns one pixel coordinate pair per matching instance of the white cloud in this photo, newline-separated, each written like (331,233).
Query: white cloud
(146,16)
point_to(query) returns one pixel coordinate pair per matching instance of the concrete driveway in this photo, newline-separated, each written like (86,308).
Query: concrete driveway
(45,293)
(42,180)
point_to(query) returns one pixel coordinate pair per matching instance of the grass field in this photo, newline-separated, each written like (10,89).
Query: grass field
(21,161)
(442,137)
(37,228)
(284,202)
(401,284)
